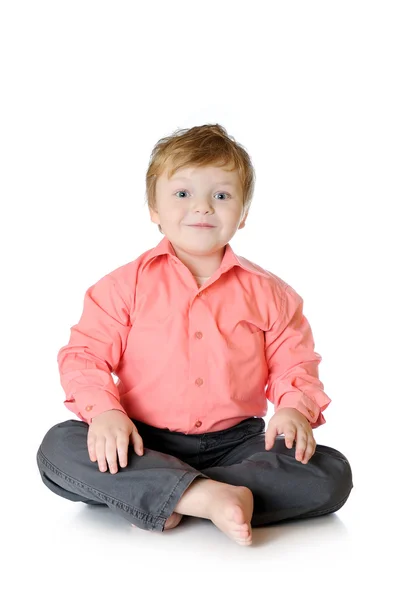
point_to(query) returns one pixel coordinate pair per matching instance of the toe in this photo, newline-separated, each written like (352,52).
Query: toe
(173,521)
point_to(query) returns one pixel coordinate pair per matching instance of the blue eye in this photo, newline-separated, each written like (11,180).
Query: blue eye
(185,192)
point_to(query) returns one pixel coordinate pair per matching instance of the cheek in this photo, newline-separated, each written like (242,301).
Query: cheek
(178,213)
(231,217)
(172,213)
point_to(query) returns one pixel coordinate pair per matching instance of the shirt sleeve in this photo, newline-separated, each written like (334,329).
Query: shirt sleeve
(293,364)
(95,348)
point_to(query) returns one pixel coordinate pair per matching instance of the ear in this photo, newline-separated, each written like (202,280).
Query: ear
(154,216)
(243,222)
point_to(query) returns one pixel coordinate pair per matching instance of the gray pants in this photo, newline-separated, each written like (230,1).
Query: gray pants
(146,491)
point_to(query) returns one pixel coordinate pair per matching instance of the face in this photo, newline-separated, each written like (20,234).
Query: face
(199,195)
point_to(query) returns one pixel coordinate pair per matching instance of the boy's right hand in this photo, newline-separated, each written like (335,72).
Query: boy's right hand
(109,433)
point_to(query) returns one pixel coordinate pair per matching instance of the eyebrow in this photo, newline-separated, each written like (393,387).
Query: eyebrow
(217,183)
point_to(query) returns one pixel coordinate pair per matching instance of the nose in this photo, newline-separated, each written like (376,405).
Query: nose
(202,205)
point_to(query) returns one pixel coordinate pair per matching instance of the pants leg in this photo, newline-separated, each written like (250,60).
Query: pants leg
(144,492)
(283,488)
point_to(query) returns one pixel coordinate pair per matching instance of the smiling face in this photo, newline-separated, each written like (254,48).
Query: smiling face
(199,195)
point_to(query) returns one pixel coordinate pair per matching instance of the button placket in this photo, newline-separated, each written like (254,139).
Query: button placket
(199,381)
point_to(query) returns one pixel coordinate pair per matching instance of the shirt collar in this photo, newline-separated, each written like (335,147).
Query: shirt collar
(230,259)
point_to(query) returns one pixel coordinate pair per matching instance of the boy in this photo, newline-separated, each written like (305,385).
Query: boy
(199,339)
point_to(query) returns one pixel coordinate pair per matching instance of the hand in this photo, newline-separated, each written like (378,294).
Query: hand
(293,424)
(111,431)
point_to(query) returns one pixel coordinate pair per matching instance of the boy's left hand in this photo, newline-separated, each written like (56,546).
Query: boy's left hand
(293,424)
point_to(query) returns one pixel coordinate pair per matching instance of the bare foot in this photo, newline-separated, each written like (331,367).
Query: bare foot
(171,522)
(231,510)
(230,507)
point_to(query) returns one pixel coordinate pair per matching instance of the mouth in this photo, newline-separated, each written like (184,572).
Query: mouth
(203,226)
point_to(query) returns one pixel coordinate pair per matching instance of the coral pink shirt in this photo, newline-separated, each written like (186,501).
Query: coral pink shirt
(189,357)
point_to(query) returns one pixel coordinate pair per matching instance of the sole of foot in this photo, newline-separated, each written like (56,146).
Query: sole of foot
(231,511)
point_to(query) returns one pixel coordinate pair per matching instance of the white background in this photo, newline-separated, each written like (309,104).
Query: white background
(310,90)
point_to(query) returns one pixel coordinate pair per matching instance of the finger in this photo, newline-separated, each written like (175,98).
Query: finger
(311,444)
(100,453)
(290,435)
(122,449)
(110,446)
(270,436)
(138,443)
(91,447)
(139,446)
(301,444)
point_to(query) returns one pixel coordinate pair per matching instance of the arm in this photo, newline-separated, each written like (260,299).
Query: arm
(293,364)
(94,351)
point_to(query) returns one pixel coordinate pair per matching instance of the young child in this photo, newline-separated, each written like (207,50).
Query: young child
(199,339)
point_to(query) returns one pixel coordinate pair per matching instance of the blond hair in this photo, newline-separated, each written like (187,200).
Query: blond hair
(202,145)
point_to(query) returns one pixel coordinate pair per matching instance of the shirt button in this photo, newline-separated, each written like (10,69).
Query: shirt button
(198,423)
(199,381)
(311,413)
(89,407)
(199,335)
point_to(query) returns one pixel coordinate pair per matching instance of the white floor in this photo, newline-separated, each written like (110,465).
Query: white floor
(56,548)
